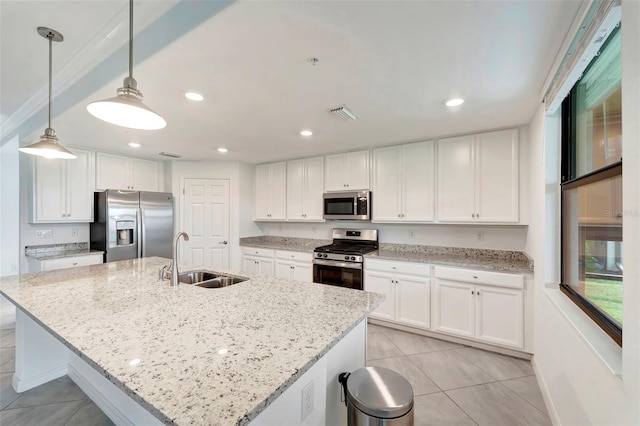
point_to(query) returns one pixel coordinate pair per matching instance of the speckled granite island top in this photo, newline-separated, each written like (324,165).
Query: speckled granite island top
(273,331)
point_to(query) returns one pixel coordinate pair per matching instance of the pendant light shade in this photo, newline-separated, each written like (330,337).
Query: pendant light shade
(127,109)
(48,145)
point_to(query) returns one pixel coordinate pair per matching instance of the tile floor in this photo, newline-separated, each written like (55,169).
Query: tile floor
(459,385)
(453,385)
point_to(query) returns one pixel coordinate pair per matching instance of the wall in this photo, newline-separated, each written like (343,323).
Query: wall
(240,178)
(576,364)
(9,208)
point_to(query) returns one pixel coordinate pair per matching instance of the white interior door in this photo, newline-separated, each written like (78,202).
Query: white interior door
(205,217)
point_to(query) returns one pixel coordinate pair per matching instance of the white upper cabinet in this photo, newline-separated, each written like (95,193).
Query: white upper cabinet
(62,190)
(271,191)
(118,172)
(304,189)
(478,178)
(403,183)
(347,172)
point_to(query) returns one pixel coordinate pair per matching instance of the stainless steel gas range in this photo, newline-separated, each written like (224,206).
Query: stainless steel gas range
(341,263)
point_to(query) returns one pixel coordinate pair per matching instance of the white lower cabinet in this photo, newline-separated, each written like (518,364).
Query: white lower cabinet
(65,262)
(481,305)
(258,261)
(407,287)
(294,265)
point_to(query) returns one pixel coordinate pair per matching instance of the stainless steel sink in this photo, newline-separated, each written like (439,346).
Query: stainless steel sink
(206,279)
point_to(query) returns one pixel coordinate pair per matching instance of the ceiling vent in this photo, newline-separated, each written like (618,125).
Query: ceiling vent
(170,154)
(343,112)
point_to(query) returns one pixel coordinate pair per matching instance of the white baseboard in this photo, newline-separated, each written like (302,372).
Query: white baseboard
(546,395)
(39,379)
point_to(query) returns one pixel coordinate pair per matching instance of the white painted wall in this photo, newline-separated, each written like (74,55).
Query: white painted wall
(9,208)
(578,384)
(240,178)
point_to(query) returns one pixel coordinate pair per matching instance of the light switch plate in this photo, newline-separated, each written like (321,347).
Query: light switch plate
(44,233)
(307,400)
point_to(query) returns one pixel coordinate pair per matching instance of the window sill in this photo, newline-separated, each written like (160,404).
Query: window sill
(600,343)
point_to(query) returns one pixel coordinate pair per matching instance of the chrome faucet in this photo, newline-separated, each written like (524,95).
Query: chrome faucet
(174,262)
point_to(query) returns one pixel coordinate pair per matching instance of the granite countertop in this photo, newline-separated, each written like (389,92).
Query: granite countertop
(59,251)
(63,254)
(490,260)
(273,331)
(284,243)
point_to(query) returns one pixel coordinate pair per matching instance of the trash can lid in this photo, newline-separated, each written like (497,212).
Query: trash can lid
(380,392)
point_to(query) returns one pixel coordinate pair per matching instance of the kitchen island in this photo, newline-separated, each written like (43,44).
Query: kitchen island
(185,354)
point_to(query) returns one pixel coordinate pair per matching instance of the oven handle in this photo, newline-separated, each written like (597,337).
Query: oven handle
(347,265)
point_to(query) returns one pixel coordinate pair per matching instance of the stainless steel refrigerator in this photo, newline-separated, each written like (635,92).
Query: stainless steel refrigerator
(131,224)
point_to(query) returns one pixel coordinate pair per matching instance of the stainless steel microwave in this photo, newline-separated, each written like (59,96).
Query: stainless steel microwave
(347,205)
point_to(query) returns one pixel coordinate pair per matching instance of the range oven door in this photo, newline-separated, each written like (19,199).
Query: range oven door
(341,274)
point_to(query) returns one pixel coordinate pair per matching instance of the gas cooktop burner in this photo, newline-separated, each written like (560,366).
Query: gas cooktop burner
(346,249)
(348,245)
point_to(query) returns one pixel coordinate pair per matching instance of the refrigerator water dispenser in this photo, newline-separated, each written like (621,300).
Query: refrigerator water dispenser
(124,229)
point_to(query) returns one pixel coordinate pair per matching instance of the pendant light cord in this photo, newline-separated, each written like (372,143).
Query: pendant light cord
(130,38)
(50,37)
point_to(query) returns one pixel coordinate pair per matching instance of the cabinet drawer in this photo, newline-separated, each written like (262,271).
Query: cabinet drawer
(70,262)
(398,267)
(253,251)
(480,277)
(294,255)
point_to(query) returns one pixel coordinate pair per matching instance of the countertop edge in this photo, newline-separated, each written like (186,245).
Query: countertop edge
(63,255)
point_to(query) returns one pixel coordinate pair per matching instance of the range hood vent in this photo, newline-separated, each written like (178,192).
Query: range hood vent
(343,112)
(170,154)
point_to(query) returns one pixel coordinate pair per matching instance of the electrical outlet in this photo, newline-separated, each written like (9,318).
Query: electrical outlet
(44,233)
(74,232)
(307,400)
(412,235)
(479,236)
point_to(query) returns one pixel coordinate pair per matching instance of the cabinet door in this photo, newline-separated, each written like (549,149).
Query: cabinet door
(358,167)
(112,172)
(382,283)
(70,262)
(413,304)
(79,187)
(500,316)
(418,186)
(336,173)
(456,175)
(302,272)
(313,189)
(283,269)
(250,265)
(497,174)
(386,184)
(278,184)
(266,267)
(49,190)
(295,189)
(263,192)
(144,175)
(454,308)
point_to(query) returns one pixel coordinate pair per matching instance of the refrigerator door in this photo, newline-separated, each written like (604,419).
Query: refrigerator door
(156,224)
(121,223)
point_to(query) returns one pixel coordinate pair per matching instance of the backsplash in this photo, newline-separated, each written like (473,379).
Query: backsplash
(54,248)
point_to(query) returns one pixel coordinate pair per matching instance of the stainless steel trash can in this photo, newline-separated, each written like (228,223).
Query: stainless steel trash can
(377,396)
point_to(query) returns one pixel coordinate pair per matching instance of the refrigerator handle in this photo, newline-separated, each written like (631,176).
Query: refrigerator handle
(141,233)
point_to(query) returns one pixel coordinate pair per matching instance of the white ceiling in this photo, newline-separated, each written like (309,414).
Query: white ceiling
(392,62)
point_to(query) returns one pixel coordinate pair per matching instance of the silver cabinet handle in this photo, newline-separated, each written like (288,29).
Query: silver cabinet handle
(475,276)
(75,263)
(224,242)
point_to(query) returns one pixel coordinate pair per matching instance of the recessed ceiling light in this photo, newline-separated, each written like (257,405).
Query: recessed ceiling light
(193,96)
(223,150)
(306,133)
(134,145)
(454,102)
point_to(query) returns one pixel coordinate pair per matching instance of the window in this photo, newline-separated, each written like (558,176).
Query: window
(591,187)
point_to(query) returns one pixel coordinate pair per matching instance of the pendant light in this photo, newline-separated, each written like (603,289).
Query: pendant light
(127,109)
(48,146)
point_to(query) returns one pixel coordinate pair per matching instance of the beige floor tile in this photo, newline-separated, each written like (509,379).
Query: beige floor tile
(494,404)
(528,389)
(90,414)
(379,346)
(7,353)
(501,367)
(49,415)
(374,328)
(7,394)
(419,381)
(8,339)
(438,410)
(8,366)
(449,370)
(411,344)
(59,390)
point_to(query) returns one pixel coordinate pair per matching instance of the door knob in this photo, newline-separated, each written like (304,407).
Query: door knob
(224,242)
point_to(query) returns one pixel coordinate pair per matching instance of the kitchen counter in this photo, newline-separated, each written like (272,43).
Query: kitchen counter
(206,356)
(490,260)
(59,251)
(63,254)
(283,243)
